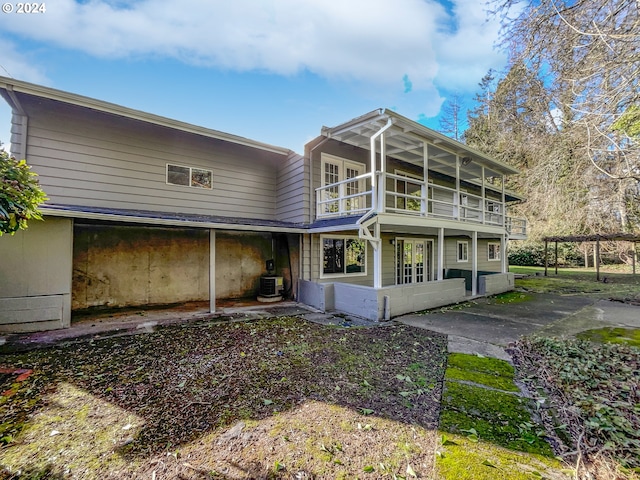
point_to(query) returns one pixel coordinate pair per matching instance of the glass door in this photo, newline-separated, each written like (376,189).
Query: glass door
(413,261)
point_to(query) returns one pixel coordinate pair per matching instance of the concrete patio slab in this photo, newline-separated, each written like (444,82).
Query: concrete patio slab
(486,328)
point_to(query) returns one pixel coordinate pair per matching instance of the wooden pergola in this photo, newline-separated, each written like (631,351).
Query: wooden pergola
(607,237)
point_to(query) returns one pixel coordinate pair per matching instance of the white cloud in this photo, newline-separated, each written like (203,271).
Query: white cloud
(376,42)
(16,65)
(467,54)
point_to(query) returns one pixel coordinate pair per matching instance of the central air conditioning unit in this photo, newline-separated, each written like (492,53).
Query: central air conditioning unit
(271,286)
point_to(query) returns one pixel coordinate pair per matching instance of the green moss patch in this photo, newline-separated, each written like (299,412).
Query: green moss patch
(491,372)
(628,336)
(509,298)
(460,458)
(500,418)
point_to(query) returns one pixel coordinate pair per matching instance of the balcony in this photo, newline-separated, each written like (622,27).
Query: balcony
(409,196)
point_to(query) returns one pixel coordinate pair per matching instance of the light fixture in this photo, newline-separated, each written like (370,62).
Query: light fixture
(466,161)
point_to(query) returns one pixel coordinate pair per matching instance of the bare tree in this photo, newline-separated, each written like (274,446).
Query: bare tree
(451,118)
(586,56)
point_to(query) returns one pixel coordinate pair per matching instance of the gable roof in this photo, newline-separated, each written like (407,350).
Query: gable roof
(10,89)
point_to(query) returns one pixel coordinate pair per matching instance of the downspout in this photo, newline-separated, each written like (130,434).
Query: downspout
(17,109)
(374,193)
(373,210)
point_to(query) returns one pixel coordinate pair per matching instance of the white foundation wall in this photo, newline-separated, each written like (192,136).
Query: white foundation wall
(376,303)
(35,277)
(496,283)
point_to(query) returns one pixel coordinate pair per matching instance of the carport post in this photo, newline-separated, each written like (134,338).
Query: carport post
(546,262)
(474,264)
(598,259)
(556,253)
(440,254)
(634,256)
(212,270)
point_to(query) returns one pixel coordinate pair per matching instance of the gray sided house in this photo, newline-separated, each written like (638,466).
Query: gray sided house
(380,216)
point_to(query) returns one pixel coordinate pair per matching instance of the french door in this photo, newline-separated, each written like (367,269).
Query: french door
(335,170)
(414,260)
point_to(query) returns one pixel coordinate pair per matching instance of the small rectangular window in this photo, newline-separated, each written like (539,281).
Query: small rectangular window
(463,251)
(189,176)
(494,252)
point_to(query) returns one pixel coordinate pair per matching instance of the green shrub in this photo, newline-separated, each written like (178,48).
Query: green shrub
(20,194)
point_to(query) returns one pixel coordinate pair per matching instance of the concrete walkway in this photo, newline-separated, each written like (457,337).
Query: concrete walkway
(478,326)
(487,328)
(139,321)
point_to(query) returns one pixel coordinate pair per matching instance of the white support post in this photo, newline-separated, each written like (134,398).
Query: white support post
(374,191)
(457,199)
(372,141)
(425,164)
(504,244)
(377,258)
(474,264)
(440,275)
(212,270)
(504,204)
(382,181)
(484,196)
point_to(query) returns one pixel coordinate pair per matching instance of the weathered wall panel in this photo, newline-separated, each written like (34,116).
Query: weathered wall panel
(240,261)
(118,266)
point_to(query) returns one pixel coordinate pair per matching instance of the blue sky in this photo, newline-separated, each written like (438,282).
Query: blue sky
(271,70)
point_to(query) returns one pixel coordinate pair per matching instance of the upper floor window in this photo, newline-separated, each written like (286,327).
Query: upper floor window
(339,195)
(189,176)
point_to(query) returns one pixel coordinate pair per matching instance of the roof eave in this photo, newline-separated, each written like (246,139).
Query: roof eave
(114,109)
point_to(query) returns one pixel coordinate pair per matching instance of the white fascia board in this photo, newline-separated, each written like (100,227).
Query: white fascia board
(338,228)
(431,222)
(112,217)
(106,107)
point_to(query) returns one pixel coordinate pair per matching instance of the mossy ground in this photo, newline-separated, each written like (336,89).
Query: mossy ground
(215,399)
(494,434)
(580,281)
(628,336)
(491,372)
(508,298)
(462,459)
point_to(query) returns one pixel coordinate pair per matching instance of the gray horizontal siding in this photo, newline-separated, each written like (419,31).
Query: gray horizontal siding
(293,190)
(484,265)
(95,159)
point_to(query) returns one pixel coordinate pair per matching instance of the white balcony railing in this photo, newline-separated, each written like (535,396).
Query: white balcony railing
(410,196)
(516,227)
(348,197)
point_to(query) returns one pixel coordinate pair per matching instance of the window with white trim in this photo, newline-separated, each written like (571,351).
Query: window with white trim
(408,187)
(344,256)
(493,252)
(189,176)
(334,171)
(463,251)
